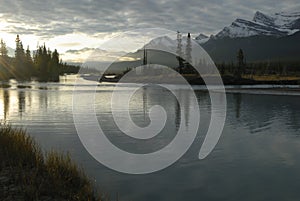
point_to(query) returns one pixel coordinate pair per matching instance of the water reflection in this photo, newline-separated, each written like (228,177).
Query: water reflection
(141,103)
(21,103)
(257,157)
(5,104)
(238,101)
(145,103)
(262,112)
(43,100)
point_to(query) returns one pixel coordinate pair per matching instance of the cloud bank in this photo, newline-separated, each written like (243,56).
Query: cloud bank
(76,24)
(59,17)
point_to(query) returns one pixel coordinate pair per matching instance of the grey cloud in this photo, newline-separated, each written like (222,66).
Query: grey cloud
(80,51)
(59,17)
(96,53)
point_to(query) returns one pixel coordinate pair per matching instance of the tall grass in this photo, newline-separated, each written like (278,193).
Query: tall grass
(53,175)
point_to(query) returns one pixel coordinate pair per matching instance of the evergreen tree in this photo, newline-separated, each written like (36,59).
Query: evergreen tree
(188,49)
(240,58)
(28,55)
(54,64)
(38,60)
(19,68)
(3,49)
(179,52)
(189,69)
(44,64)
(29,62)
(222,69)
(4,62)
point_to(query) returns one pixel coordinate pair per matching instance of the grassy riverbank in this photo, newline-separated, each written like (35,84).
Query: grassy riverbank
(28,174)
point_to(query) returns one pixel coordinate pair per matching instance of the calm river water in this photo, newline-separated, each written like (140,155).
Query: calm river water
(256,158)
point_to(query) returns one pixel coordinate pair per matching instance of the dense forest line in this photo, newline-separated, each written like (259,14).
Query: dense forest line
(236,65)
(43,65)
(241,68)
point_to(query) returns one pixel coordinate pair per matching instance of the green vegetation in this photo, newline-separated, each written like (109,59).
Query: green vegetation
(33,176)
(44,65)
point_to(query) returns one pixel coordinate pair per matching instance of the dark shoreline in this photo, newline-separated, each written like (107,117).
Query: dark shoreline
(227,80)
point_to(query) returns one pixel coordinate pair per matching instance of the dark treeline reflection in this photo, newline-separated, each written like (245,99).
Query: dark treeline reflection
(21,102)
(238,101)
(259,112)
(256,158)
(5,104)
(141,103)
(254,111)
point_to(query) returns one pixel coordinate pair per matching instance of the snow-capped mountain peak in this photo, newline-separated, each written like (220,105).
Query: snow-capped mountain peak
(165,43)
(160,41)
(279,20)
(277,25)
(259,17)
(202,38)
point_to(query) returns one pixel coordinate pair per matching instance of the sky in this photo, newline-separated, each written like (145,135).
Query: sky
(76,27)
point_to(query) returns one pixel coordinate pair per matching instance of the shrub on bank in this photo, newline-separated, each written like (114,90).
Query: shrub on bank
(35,176)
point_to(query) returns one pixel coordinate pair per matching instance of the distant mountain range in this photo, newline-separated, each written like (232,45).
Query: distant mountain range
(266,37)
(276,25)
(274,37)
(11,51)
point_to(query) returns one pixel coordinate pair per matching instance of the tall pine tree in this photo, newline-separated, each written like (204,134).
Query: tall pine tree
(179,52)
(241,63)
(4,62)
(19,67)
(3,49)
